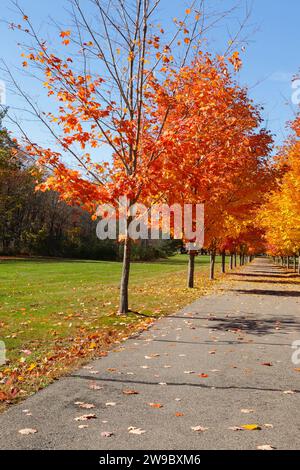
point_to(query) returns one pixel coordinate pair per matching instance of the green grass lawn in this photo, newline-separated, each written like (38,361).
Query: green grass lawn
(45,304)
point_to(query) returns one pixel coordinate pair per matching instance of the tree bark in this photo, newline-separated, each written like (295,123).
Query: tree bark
(191,270)
(235,260)
(223,262)
(125,277)
(212,265)
(231,261)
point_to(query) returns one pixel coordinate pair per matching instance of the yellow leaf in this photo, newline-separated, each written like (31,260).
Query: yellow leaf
(31,367)
(251,427)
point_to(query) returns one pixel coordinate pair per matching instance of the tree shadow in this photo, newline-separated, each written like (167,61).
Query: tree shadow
(257,327)
(269,281)
(176,384)
(278,293)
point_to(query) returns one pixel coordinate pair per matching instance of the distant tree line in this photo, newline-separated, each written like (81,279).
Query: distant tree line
(39,223)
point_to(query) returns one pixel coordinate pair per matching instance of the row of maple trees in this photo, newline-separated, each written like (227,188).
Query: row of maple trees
(179,128)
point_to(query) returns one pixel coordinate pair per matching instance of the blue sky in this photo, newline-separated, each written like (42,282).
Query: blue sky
(270,60)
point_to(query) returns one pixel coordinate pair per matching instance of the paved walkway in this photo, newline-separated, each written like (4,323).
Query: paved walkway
(221,363)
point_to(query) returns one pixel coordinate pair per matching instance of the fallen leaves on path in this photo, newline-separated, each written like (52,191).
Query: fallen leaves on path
(85,417)
(110,403)
(266,447)
(251,427)
(155,405)
(27,431)
(85,406)
(199,428)
(130,392)
(246,410)
(178,414)
(107,434)
(95,387)
(133,430)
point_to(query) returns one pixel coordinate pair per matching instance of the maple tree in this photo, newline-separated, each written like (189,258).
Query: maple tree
(115,109)
(280,216)
(220,158)
(134,105)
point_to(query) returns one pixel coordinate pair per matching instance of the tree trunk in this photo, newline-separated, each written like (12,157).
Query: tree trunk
(125,276)
(191,270)
(299,264)
(288,262)
(212,265)
(231,261)
(223,262)
(295,263)
(235,260)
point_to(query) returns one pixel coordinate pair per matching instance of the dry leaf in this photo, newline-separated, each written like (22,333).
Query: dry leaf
(179,414)
(246,411)
(155,405)
(107,434)
(251,427)
(110,403)
(133,430)
(130,392)
(27,431)
(266,447)
(95,387)
(86,406)
(85,417)
(199,428)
